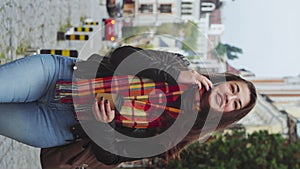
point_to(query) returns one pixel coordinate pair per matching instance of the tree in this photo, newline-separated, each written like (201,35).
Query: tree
(226,49)
(258,150)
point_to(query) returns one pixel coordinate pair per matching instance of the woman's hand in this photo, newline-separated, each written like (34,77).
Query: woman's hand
(193,77)
(103,111)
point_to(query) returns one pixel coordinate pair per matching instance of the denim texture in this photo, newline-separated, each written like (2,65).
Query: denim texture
(28,111)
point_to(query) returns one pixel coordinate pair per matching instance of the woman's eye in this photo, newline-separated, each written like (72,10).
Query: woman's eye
(235,105)
(232,89)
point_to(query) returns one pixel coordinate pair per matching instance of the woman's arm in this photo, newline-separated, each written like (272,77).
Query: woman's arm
(157,65)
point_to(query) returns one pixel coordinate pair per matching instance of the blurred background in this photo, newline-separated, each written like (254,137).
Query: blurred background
(255,39)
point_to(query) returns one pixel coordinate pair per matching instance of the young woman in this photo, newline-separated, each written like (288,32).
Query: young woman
(36,109)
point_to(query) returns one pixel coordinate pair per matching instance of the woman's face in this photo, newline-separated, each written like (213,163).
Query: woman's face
(229,96)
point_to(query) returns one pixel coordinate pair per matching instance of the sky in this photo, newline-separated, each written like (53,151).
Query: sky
(268,31)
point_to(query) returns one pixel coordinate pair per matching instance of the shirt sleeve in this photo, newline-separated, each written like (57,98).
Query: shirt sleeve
(109,158)
(157,65)
(108,138)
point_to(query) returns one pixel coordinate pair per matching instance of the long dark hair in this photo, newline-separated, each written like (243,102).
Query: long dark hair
(207,118)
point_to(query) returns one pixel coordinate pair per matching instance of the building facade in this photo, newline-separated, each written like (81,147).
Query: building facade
(284,95)
(265,116)
(204,14)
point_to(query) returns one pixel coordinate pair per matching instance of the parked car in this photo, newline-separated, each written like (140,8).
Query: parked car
(110,29)
(115,8)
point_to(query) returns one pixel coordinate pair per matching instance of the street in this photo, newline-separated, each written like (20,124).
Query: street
(35,25)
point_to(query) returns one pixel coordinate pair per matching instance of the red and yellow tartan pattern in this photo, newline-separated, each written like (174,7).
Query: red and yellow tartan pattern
(144,100)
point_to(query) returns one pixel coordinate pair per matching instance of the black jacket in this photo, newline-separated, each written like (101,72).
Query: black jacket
(128,60)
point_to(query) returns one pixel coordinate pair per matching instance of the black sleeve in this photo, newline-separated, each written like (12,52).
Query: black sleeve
(157,65)
(109,158)
(109,139)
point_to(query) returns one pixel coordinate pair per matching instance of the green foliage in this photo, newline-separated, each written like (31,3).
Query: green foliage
(3,58)
(191,34)
(131,32)
(189,30)
(82,19)
(22,48)
(168,28)
(192,57)
(231,51)
(64,27)
(258,150)
(146,46)
(2,55)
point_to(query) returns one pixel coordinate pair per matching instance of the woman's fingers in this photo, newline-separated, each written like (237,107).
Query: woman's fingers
(203,81)
(210,84)
(102,111)
(207,83)
(193,77)
(96,111)
(109,113)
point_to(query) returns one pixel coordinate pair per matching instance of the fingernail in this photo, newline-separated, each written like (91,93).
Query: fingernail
(106,101)
(101,98)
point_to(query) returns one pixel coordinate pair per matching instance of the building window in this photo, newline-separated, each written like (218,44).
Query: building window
(165,8)
(207,6)
(146,8)
(186,3)
(186,13)
(186,8)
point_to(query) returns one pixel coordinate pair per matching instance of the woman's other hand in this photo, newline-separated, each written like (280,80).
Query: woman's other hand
(102,111)
(193,77)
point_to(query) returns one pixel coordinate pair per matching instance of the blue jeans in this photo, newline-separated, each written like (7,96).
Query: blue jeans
(28,111)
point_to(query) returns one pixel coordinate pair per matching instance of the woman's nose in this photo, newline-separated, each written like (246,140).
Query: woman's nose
(230,96)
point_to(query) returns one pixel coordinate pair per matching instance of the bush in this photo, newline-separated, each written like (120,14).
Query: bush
(258,150)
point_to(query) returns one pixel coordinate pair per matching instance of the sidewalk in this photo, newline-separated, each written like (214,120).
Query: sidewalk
(15,155)
(43,24)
